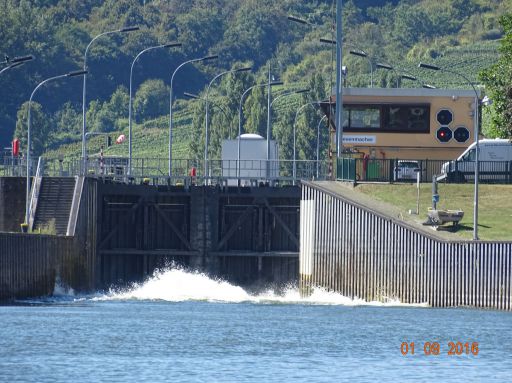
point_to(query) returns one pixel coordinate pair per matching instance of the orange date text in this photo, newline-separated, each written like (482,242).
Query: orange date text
(435,348)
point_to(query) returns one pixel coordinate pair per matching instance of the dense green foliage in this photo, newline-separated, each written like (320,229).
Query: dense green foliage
(461,34)
(498,81)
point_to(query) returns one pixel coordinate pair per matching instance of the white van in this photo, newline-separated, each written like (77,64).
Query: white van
(494,156)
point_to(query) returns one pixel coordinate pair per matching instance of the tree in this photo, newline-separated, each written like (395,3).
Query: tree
(255,112)
(68,125)
(151,100)
(196,144)
(39,127)
(498,81)
(109,116)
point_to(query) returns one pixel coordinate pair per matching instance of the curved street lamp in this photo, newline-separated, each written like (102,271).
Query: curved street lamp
(357,52)
(312,103)
(207,122)
(318,144)
(389,67)
(15,62)
(475,133)
(10,66)
(339,74)
(197,97)
(84,129)
(206,58)
(414,78)
(170,45)
(269,119)
(363,54)
(240,117)
(27,196)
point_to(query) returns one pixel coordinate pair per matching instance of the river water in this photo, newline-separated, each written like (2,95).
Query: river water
(185,327)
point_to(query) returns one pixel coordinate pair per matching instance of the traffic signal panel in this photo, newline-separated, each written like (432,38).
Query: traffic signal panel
(444,134)
(461,134)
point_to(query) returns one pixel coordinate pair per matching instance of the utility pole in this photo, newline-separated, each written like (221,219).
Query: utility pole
(339,79)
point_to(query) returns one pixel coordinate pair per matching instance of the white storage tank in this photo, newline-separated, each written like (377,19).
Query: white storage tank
(253,159)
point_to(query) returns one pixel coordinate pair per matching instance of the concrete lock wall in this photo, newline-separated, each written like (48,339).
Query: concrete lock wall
(360,253)
(12,203)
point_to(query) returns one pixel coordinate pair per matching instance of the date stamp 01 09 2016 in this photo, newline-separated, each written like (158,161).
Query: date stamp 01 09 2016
(434,348)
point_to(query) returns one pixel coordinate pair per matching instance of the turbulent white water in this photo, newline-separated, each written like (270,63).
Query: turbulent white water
(177,285)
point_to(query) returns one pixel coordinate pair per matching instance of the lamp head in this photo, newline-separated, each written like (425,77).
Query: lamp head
(297,20)
(409,77)
(191,95)
(129,29)
(358,53)
(328,41)
(428,66)
(22,59)
(172,45)
(384,66)
(76,73)
(208,58)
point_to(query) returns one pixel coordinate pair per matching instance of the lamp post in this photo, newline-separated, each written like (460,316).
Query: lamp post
(475,133)
(339,74)
(13,63)
(414,78)
(389,67)
(84,104)
(197,97)
(318,144)
(27,196)
(312,103)
(170,45)
(339,79)
(363,54)
(206,119)
(170,102)
(269,119)
(240,117)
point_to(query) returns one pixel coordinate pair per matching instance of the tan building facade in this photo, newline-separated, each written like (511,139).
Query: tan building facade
(387,123)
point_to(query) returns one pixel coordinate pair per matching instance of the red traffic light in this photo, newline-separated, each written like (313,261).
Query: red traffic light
(15,147)
(444,134)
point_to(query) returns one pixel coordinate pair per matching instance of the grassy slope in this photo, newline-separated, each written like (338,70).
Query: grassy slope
(150,140)
(494,213)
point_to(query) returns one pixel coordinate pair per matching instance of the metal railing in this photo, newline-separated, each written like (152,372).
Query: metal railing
(34,193)
(155,170)
(389,170)
(228,172)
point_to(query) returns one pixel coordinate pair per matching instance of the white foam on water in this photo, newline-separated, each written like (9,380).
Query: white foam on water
(178,285)
(62,291)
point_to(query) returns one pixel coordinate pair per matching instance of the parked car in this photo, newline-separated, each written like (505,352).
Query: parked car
(494,157)
(406,170)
